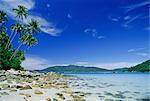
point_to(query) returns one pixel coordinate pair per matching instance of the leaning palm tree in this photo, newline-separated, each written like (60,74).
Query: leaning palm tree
(23,37)
(32,28)
(21,12)
(16,28)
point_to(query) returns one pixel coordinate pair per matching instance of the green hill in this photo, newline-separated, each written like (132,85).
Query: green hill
(143,67)
(74,69)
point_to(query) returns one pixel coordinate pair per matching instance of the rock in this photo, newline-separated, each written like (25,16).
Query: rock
(108,100)
(38,92)
(48,99)
(27,87)
(9,81)
(61,96)
(107,93)
(2,78)
(4,93)
(77,98)
(5,86)
(17,86)
(88,93)
(119,96)
(54,99)
(145,99)
(35,85)
(101,96)
(13,90)
(27,95)
(21,93)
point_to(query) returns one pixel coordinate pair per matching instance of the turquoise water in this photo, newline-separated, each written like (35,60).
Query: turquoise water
(119,86)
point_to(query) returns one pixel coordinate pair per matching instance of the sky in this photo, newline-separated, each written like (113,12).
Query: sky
(104,33)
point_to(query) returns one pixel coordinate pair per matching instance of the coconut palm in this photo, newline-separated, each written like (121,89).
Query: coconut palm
(33,27)
(31,41)
(23,37)
(3,17)
(16,28)
(21,12)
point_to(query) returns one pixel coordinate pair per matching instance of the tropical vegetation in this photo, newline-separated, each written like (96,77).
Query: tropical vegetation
(25,33)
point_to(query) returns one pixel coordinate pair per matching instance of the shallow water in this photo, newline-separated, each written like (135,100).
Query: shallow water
(112,87)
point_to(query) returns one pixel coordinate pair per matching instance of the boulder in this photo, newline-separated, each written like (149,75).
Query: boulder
(38,92)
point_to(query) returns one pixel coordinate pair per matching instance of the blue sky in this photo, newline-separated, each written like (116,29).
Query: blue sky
(102,33)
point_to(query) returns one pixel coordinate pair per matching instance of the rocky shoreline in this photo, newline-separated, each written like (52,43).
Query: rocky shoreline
(28,86)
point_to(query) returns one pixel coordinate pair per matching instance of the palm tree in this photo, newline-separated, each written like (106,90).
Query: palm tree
(16,28)
(3,17)
(23,37)
(32,28)
(31,41)
(21,12)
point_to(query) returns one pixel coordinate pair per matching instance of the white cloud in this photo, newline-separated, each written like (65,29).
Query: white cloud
(101,37)
(132,19)
(135,49)
(115,19)
(35,63)
(138,5)
(127,17)
(90,31)
(114,65)
(108,65)
(46,26)
(94,33)
(14,3)
(142,54)
(138,51)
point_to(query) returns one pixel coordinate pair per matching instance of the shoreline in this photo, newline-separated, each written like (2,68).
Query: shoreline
(28,86)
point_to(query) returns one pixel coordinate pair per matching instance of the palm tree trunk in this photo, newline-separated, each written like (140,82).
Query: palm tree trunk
(15,52)
(12,39)
(17,49)
(9,40)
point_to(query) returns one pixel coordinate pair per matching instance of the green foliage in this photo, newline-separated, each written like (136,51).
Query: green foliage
(10,57)
(143,67)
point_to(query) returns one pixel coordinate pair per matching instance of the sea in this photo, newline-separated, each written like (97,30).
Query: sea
(111,86)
